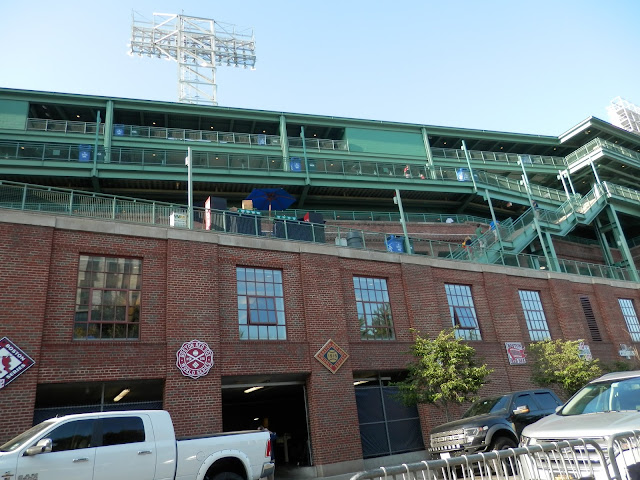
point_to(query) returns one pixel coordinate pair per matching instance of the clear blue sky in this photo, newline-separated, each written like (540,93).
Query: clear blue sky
(536,67)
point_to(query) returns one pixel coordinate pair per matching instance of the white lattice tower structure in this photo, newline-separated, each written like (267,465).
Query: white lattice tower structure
(625,115)
(198,45)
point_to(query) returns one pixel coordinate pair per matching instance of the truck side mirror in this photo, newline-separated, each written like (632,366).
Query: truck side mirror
(521,409)
(43,446)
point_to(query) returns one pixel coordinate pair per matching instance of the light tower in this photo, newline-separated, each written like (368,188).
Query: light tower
(198,45)
(625,115)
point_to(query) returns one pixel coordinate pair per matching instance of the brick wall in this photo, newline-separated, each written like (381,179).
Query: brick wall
(189,292)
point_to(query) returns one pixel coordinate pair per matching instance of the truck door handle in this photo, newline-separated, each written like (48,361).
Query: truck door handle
(144,452)
(77,460)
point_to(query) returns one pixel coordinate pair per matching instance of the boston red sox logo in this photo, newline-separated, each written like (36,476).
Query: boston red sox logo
(194,359)
(13,362)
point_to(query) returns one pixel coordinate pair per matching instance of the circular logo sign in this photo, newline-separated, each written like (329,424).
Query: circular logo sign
(194,359)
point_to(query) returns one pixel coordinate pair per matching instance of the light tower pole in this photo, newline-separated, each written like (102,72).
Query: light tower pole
(198,45)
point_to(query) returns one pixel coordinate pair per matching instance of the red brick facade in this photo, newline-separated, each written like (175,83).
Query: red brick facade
(189,291)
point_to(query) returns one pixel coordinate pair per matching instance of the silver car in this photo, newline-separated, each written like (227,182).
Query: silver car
(604,407)
(607,405)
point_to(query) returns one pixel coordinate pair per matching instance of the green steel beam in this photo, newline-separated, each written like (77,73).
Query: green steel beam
(621,241)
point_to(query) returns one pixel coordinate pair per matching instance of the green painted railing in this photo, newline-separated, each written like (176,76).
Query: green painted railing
(489,158)
(58,201)
(164,133)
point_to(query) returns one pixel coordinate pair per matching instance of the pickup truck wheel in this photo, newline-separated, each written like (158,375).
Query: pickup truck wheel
(226,476)
(502,443)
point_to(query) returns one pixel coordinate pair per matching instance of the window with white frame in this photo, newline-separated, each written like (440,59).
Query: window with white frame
(463,312)
(630,316)
(534,315)
(374,309)
(260,304)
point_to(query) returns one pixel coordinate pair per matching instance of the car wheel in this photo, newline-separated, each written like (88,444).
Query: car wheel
(226,476)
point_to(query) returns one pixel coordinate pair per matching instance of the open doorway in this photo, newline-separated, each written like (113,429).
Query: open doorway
(278,403)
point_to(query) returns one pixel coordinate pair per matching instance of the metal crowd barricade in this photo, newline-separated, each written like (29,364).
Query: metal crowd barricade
(580,459)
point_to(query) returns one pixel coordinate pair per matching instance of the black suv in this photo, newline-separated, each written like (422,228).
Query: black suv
(493,423)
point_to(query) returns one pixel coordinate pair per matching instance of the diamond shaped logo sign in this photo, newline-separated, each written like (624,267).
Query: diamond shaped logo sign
(331,356)
(13,362)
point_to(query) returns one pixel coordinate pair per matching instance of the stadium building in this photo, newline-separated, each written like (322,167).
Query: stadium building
(280,273)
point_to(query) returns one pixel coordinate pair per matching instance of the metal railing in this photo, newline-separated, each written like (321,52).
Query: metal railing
(614,458)
(621,192)
(166,133)
(596,144)
(58,201)
(496,157)
(63,126)
(318,143)
(346,215)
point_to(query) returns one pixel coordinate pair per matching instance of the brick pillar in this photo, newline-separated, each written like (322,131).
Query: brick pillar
(192,314)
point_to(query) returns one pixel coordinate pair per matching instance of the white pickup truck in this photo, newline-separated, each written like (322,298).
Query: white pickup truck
(132,445)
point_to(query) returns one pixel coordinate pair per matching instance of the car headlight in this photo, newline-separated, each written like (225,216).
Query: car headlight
(472,433)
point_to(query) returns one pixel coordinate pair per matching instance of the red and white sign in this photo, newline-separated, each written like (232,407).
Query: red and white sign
(515,352)
(13,362)
(584,351)
(194,359)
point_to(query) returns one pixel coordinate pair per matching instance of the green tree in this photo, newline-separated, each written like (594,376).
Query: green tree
(558,363)
(443,372)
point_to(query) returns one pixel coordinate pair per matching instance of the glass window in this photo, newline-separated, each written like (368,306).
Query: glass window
(108,298)
(120,430)
(463,312)
(629,313)
(547,401)
(534,315)
(72,436)
(524,399)
(374,309)
(260,304)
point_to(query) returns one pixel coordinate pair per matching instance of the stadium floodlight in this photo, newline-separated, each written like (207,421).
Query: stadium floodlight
(625,115)
(198,45)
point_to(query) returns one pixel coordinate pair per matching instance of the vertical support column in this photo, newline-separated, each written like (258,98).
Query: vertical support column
(621,241)
(604,244)
(495,220)
(94,170)
(564,185)
(573,190)
(466,155)
(427,149)
(284,143)
(189,161)
(525,179)
(552,252)
(307,180)
(407,244)
(108,131)
(595,172)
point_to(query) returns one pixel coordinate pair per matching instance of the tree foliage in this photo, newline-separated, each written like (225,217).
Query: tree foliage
(443,372)
(558,363)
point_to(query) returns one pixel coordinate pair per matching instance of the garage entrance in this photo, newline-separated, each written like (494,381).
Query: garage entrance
(277,401)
